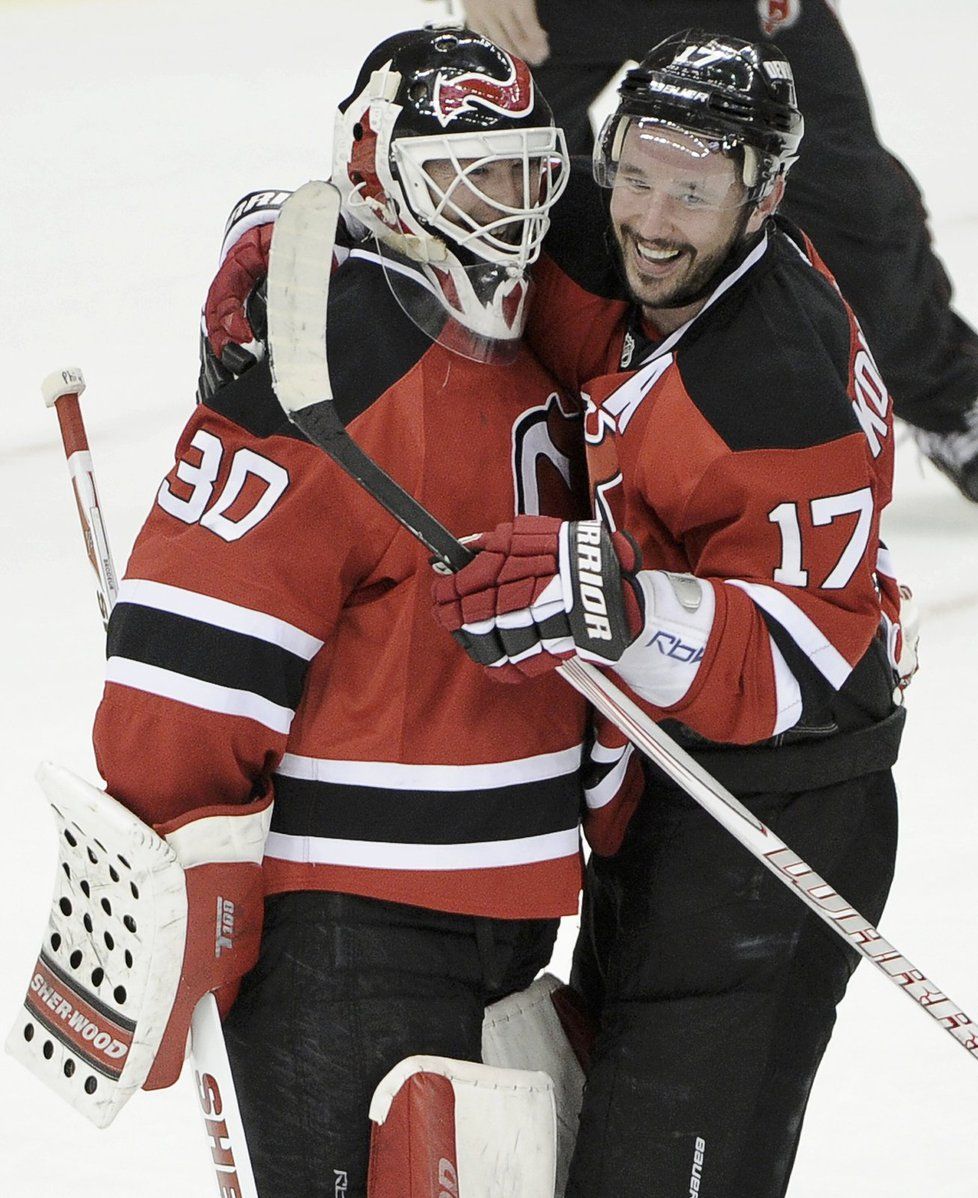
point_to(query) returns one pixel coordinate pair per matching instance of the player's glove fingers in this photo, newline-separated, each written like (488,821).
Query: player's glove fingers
(512,567)
(526,536)
(468,596)
(485,650)
(226,309)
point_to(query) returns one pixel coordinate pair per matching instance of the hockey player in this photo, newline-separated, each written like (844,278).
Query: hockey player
(738,431)
(854,199)
(273,635)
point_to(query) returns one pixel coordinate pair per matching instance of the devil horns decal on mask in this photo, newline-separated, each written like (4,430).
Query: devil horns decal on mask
(457,94)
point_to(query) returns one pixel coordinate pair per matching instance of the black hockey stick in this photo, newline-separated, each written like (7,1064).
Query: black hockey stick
(298,288)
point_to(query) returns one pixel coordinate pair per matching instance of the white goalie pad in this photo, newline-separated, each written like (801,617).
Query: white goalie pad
(111,978)
(456,1129)
(526,1030)
(116,881)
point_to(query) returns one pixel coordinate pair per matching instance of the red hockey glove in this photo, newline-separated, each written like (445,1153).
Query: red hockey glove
(540,590)
(234,319)
(234,312)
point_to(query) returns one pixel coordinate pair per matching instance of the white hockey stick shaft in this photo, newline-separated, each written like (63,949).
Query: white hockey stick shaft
(769,849)
(219,1102)
(209,1059)
(298,285)
(61,390)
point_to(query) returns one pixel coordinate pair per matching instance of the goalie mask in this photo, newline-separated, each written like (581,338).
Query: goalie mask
(447,154)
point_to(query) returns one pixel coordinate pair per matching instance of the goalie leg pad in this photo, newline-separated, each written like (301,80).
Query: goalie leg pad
(133,941)
(544,1027)
(456,1129)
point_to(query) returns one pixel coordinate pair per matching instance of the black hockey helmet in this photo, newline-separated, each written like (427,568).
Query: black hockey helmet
(451,97)
(742,94)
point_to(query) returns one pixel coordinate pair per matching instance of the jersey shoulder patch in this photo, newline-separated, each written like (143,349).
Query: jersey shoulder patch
(372,343)
(250,402)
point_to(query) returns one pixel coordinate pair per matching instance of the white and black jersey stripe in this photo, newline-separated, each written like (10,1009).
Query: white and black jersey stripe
(605,772)
(208,653)
(393,815)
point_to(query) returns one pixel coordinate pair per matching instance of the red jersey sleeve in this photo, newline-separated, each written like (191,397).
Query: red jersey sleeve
(233,587)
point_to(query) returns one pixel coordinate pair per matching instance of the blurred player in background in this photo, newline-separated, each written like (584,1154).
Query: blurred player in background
(851,196)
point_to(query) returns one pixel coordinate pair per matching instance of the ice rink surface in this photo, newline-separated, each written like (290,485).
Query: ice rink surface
(128,129)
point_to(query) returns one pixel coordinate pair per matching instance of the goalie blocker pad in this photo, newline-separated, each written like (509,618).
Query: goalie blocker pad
(109,1005)
(456,1129)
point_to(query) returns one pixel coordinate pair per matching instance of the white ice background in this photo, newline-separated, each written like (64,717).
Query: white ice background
(127,129)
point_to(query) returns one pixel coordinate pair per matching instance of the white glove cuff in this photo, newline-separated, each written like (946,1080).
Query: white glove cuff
(663,660)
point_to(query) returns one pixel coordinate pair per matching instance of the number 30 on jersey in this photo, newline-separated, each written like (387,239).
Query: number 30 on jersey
(246,466)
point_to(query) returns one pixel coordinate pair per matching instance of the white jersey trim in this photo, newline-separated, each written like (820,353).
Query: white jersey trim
(787,693)
(803,631)
(397,775)
(884,562)
(601,795)
(397,267)
(208,696)
(218,612)
(370,854)
(667,344)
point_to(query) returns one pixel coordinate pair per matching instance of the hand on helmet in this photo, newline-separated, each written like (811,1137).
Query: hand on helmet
(511,24)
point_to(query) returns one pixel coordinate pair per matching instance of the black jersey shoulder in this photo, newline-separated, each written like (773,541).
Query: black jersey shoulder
(579,237)
(768,366)
(249,401)
(371,344)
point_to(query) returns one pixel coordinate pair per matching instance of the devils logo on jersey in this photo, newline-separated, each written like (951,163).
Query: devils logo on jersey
(548,467)
(510,96)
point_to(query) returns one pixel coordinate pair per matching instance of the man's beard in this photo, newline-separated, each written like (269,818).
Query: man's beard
(698,282)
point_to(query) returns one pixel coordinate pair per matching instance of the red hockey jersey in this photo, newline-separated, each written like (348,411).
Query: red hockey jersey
(274,630)
(753,449)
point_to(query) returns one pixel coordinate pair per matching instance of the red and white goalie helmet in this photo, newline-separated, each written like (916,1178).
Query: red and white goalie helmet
(447,153)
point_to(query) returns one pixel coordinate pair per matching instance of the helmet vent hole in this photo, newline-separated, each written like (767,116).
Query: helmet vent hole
(358,131)
(418,92)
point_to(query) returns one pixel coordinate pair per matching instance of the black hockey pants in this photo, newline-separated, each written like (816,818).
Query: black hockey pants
(716,990)
(849,194)
(344,989)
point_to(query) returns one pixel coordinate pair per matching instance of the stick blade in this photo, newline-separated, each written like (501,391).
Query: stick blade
(300,263)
